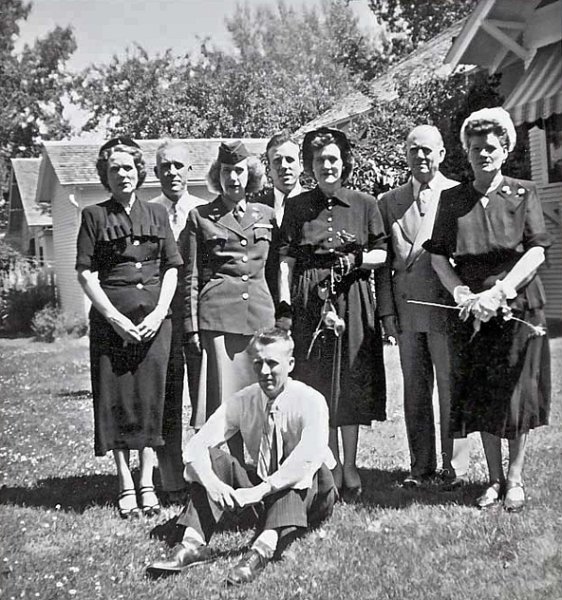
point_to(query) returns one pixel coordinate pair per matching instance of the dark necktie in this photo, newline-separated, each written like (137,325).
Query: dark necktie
(268,454)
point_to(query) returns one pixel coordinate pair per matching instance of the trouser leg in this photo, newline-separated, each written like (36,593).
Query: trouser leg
(301,508)
(170,460)
(203,515)
(455,452)
(417,371)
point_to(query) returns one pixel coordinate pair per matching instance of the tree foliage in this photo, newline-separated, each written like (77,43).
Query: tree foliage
(33,84)
(288,66)
(380,136)
(409,23)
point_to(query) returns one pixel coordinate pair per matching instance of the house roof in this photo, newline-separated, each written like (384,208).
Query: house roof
(424,62)
(75,162)
(497,34)
(26,175)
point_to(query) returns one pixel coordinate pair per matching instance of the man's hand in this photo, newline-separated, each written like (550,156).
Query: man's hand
(391,329)
(252,495)
(150,325)
(221,494)
(192,343)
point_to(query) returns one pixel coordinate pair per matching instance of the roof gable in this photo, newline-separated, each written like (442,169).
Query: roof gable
(74,163)
(26,176)
(426,61)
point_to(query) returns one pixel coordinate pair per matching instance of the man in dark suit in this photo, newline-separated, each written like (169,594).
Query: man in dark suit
(409,213)
(172,168)
(283,156)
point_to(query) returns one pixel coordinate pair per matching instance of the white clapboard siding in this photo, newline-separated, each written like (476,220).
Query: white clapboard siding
(551,199)
(66,215)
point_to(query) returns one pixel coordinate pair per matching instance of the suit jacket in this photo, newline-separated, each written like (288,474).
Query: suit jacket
(225,287)
(408,274)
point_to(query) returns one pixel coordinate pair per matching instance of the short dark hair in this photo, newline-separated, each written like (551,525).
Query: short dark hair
(265,337)
(278,139)
(323,138)
(103,158)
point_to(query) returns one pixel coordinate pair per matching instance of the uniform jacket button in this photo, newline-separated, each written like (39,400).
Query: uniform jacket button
(244,259)
(245,296)
(244,278)
(139,286)
(243,242)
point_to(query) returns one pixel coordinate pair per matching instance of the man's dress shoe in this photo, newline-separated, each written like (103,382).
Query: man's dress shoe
(183,558)
(247,569)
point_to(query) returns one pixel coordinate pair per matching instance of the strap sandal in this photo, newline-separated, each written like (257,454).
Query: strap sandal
(514,497)
(149,501)
(491,496)
(127,507)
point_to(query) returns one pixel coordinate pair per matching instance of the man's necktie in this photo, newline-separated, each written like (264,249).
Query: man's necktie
(268,454)
(424,198)
(174,213)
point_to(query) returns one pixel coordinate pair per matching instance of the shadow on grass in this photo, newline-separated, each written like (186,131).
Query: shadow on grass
(384,489)
(73,494)
(75,395)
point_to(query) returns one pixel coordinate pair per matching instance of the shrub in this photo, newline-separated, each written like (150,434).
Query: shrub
(50,323)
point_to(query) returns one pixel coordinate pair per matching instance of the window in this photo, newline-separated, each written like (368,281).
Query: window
(553,130)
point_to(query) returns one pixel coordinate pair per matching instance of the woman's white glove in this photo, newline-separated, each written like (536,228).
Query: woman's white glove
(464,298)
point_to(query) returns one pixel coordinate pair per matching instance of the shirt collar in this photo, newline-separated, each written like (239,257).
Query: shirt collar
(435,184)
(279,196)
(340,195)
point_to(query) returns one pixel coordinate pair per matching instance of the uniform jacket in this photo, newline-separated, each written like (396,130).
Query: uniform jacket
(408,274)
(225,287)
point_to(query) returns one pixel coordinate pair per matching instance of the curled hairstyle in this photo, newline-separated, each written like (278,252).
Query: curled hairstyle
(256,176)
(323,139)
(489,120)
(103,158)
(265,337)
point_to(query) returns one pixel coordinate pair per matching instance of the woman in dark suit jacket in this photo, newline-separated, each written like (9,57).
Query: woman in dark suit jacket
(127,263)
(226,295)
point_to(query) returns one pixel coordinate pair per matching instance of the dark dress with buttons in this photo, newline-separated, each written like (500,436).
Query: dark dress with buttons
(130,253)
(501,374)
(309,235)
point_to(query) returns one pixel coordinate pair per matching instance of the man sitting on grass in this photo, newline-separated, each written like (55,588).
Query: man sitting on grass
(284,426)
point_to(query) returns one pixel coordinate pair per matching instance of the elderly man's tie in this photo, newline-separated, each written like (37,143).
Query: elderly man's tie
(268,454)
(424,199)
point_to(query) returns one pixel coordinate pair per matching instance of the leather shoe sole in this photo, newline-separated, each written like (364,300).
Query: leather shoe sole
(247,569)
(184,558)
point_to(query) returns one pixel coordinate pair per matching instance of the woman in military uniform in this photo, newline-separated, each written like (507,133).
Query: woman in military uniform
(494,231)
(331,238)
(127,263)
(226,295)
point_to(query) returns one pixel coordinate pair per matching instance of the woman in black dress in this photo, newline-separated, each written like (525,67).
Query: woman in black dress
(331,238)
(493,229)
(127,263)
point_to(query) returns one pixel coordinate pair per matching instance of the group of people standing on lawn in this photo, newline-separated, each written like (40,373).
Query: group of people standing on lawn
(254,287)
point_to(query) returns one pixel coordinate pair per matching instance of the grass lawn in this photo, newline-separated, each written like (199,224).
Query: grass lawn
(61,535)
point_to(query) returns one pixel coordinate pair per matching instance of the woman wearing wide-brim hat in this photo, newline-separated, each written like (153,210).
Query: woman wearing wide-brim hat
(332,237)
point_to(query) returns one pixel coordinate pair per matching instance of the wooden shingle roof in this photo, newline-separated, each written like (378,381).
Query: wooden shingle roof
(26,175)
(422,64)
(75,162)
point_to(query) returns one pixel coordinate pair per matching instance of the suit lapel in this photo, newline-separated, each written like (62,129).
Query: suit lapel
(406,213)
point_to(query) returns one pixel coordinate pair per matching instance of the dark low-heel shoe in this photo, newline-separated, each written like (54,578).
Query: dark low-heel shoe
(183,558)
(247,569)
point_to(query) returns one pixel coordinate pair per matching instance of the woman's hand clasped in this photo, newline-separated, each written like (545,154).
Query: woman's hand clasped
(125,328)
(150,325)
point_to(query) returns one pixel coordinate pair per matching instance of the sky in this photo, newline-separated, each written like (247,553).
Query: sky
(106,27)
